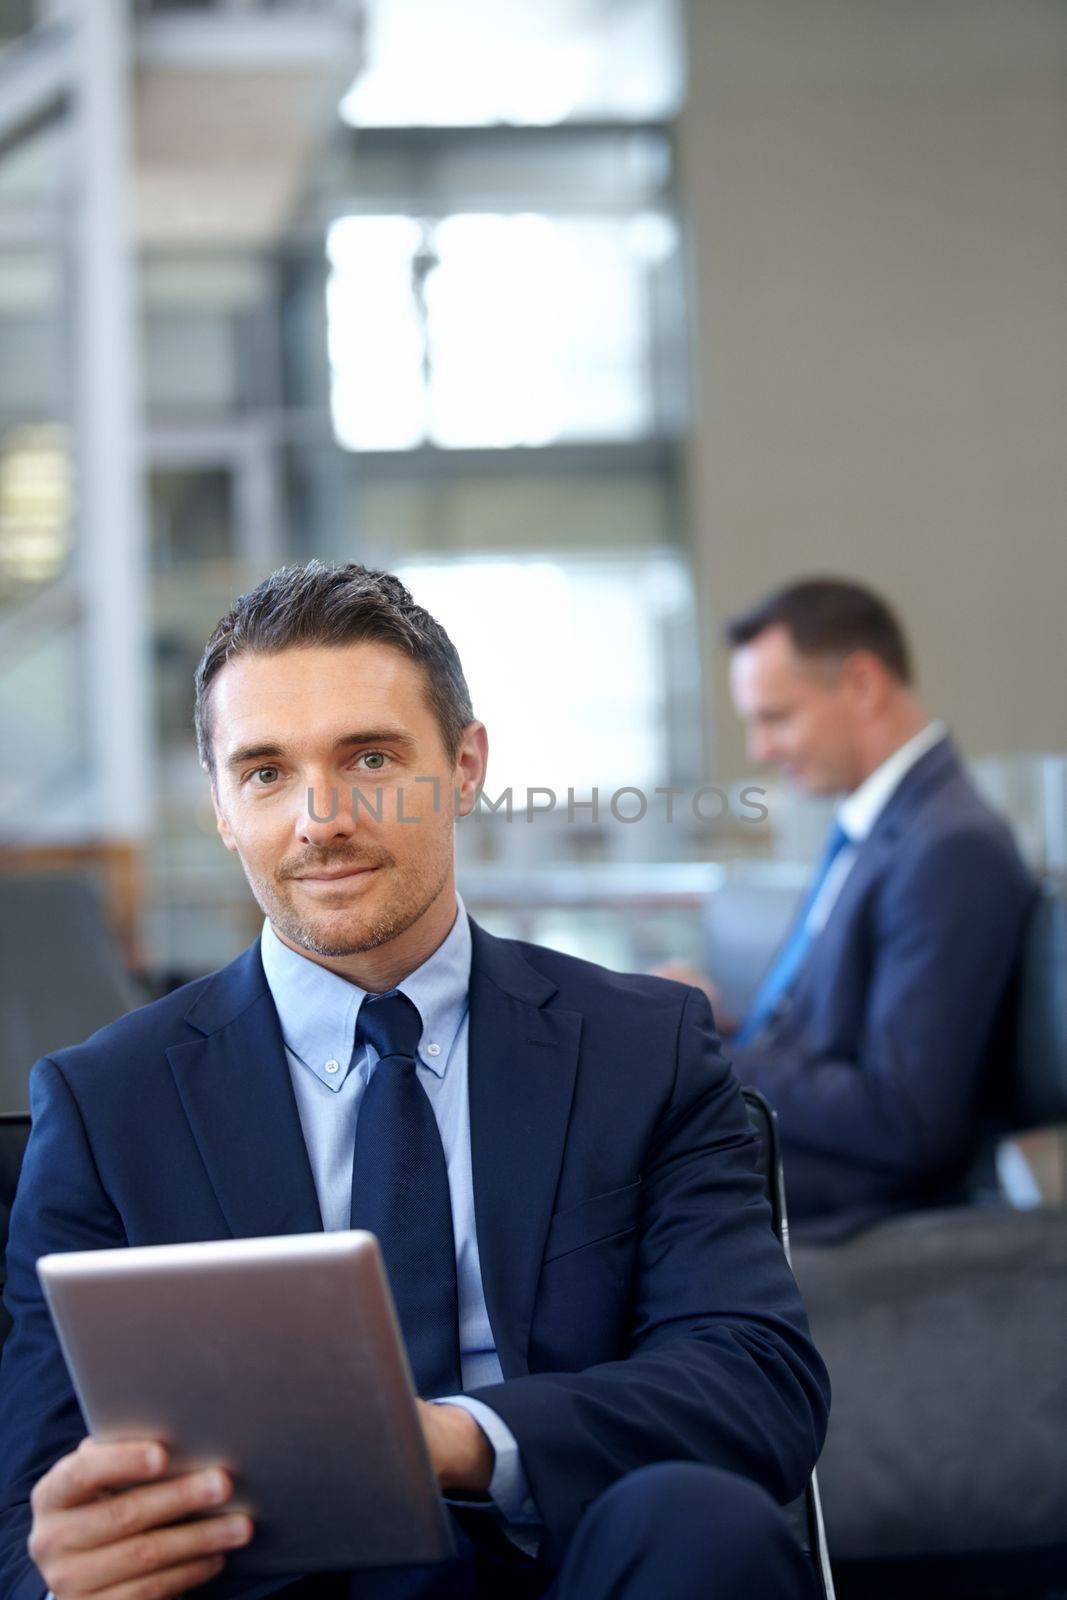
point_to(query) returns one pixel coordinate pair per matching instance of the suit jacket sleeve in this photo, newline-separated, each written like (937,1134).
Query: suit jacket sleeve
(60,1205)
(943,944)
(717,1363)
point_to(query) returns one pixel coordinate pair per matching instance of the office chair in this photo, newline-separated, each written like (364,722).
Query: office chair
(14,1132)
(805,1513)
(61,976)
(1040,1053)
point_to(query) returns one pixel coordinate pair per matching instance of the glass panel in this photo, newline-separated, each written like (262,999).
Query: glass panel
(35,167)
(37,450)
(1030,791)
(568,703)
(560,347)
(43,780)
(375,335)
(192,517)
(190,363)
(492,330)
(32,342)
(207,333)
(507,61)
(36,507)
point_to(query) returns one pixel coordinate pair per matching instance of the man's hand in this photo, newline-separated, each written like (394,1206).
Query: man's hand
(102,1527)
(461,1454)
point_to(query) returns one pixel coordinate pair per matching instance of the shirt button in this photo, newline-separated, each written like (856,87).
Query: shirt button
(433,1049)
(333,1066)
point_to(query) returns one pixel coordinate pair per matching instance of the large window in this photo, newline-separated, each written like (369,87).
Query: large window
(493,330)
(510,61)
(565,663)
(466,363)
(36,506)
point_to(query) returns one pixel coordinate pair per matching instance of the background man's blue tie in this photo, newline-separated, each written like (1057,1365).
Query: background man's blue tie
(400,1192)
(785,967)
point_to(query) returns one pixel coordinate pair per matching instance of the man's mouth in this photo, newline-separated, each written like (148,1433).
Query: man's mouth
(337,875)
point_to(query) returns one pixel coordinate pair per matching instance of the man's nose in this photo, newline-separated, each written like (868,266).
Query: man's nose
(326,812)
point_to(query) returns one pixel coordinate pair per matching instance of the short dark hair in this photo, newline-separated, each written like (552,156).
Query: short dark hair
(323,603)
(828,617)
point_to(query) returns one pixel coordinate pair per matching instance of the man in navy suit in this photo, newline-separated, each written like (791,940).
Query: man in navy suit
(618,1387)
(872,1032)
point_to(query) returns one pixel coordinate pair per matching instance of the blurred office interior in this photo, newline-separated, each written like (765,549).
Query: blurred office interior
(593,319)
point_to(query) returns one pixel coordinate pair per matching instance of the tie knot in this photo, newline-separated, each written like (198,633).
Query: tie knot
(391,1023)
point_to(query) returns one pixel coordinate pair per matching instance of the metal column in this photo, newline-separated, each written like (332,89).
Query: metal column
(112,524)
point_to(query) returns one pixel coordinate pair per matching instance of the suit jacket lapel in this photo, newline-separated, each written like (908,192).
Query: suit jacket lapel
(936,767)
(238,1095)
(522,1066)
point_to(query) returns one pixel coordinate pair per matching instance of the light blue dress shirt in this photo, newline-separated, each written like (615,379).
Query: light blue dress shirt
(318,1010)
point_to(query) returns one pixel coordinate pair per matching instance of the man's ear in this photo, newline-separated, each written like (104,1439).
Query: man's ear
(867,678)
(225,832)
(472,758)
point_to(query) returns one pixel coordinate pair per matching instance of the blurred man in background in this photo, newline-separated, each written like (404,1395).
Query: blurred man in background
(871,1029)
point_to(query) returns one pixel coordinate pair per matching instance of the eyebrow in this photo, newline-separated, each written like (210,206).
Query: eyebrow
(259,752)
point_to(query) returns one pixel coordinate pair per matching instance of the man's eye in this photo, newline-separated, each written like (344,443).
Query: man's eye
(375,759)
(256,772)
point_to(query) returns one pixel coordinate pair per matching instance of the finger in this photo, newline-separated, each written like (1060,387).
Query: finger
(119,1516)
(80,1476)
(147,1554)
(169,1583)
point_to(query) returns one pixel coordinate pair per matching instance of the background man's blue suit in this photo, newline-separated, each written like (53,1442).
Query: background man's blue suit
(878,1063)
(641,1306)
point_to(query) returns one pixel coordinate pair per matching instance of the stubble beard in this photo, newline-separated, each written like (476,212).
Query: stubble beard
(412,902)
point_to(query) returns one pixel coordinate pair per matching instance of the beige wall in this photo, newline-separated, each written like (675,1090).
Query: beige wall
(877,193)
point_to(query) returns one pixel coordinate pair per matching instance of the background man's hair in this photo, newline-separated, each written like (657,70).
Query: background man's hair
(324,603)
(828,617)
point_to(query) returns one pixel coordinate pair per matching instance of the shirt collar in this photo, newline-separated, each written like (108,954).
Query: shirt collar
(318,1009)
(858,813)
(440,989)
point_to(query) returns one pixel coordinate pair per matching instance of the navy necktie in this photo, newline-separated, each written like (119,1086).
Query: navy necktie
(787,964)
(400,1193)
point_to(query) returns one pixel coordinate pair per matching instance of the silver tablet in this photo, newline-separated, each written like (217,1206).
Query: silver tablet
(280,1359)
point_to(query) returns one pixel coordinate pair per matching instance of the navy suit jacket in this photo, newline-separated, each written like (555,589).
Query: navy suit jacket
(880,1061)
(642,1308)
